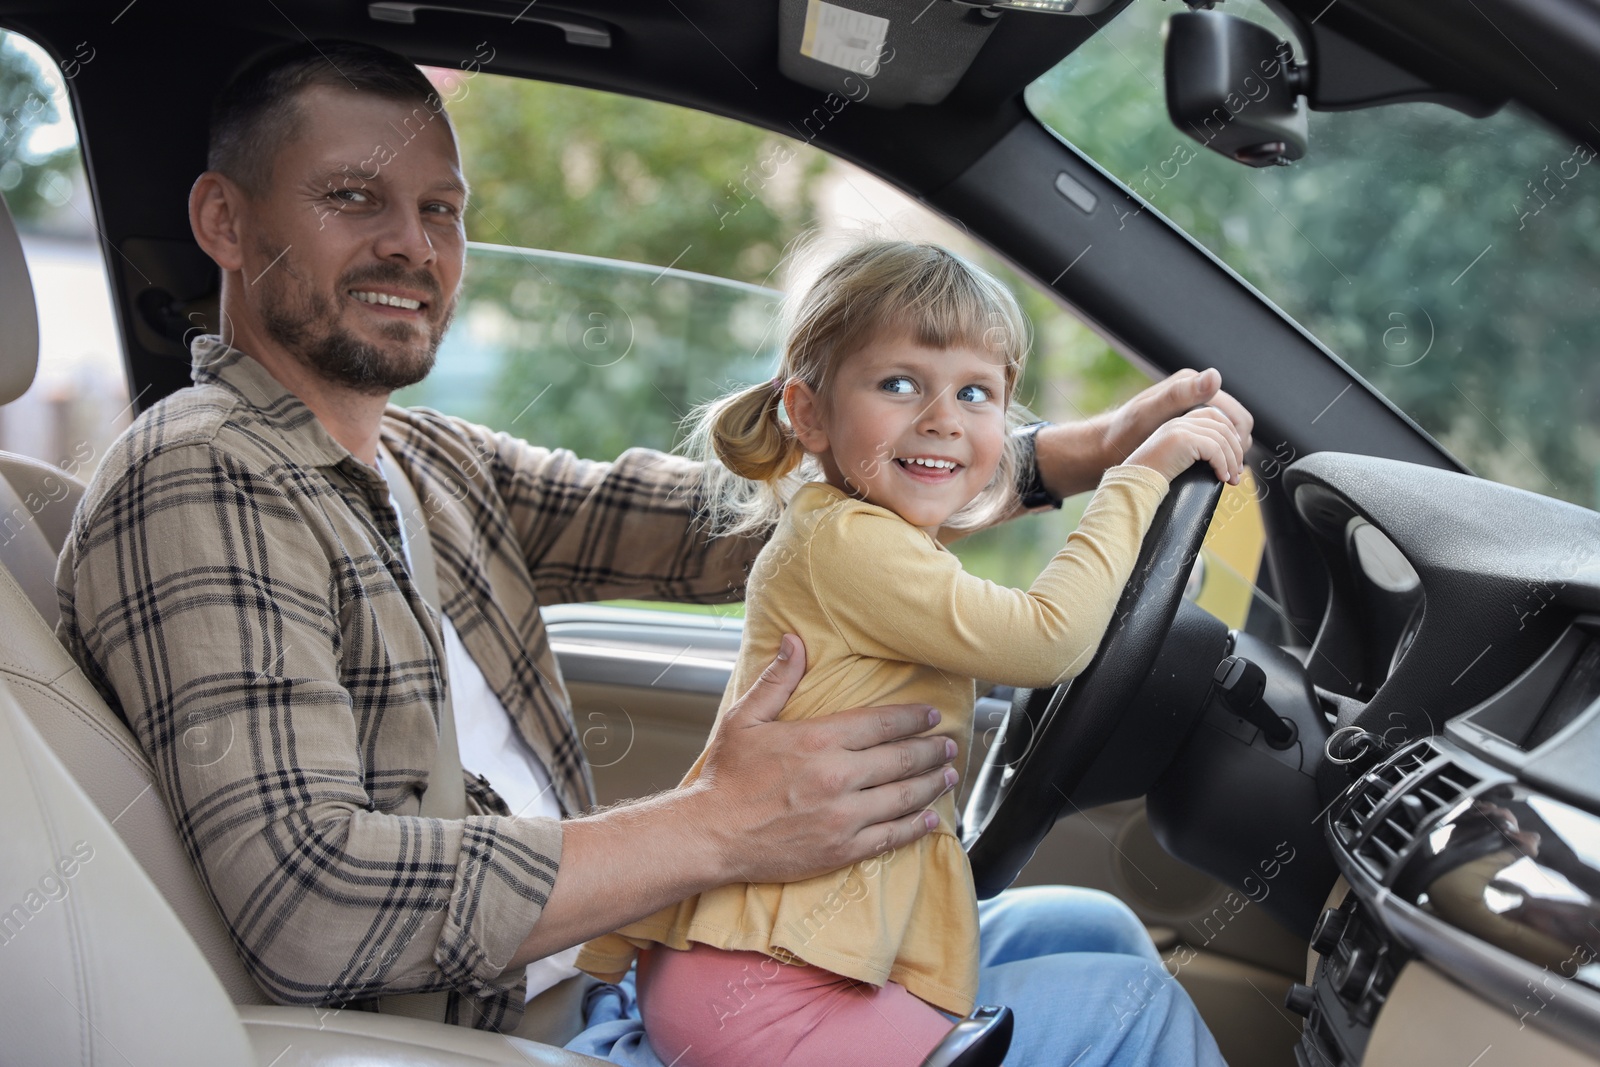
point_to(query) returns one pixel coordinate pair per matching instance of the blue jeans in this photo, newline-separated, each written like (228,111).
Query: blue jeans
(1074,965)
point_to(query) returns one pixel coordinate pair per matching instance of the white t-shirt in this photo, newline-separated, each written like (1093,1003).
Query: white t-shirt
(491,746)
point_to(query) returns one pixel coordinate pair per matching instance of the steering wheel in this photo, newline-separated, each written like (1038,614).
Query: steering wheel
(1029,776)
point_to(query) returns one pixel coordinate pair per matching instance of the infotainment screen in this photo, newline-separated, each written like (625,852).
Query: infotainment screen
(1578,689)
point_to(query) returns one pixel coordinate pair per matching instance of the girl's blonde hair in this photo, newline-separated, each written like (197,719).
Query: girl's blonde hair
(878,288)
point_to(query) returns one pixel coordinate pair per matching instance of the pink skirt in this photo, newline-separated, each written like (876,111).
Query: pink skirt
(707,1007)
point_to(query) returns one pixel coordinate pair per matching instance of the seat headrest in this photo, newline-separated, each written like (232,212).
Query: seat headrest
(19,316)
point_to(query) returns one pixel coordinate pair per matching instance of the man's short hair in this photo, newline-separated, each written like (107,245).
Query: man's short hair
(258,111)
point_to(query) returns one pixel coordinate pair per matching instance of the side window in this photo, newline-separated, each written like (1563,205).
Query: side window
(78,402)
(622,265)
(627,264)
(596,355)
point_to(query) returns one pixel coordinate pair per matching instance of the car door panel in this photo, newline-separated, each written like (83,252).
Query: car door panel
(645,687)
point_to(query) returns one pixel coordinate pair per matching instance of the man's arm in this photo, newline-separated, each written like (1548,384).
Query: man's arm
(630,528)
(1073,456)
(774,801)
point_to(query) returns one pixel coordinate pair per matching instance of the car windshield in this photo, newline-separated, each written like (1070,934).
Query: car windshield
(1449,261)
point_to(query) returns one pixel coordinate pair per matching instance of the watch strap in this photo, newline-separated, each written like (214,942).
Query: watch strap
(1030,485)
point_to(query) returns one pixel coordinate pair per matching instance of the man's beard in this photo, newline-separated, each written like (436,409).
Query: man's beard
(306,324)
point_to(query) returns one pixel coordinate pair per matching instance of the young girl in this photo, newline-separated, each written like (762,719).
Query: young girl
(897,379)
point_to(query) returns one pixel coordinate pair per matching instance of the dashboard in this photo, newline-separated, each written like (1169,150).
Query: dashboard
(1461,643)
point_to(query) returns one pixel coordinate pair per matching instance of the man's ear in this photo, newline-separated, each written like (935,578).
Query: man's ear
(216,206)
(805,416)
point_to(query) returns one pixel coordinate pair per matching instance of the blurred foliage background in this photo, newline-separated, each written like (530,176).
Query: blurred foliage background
(1451,261)
(565,350)
(576,171)
(36,170)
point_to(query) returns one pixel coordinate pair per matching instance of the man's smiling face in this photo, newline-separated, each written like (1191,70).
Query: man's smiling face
(355,248)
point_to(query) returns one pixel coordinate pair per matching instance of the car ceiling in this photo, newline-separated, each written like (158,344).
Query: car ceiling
(1545,54)
(712,55)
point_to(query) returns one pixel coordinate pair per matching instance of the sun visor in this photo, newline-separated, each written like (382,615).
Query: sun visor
(883,53)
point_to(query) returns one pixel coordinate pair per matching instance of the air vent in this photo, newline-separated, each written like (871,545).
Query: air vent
(1369,794)
(1390,806)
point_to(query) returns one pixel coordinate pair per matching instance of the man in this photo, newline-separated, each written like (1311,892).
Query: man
(239,568)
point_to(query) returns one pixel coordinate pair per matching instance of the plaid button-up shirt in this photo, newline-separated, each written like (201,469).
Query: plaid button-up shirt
(234,588)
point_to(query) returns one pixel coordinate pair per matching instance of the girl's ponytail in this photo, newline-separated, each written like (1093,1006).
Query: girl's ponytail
(749,438)
(751,461)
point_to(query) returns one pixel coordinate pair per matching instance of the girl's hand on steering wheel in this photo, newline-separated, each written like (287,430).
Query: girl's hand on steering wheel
(1204,434)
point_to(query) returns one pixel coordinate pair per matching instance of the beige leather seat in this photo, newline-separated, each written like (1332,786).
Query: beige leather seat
(134,946)
(96,969)
(36,501)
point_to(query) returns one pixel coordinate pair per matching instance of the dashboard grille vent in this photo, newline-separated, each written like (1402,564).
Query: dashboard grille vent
(1375,788)
(1392,804)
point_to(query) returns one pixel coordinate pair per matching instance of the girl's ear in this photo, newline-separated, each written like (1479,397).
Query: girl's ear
(805,416)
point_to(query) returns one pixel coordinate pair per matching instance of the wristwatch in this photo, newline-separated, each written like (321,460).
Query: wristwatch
(1030,486)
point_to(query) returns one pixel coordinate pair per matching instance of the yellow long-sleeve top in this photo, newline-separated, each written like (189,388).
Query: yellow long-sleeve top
(888,617)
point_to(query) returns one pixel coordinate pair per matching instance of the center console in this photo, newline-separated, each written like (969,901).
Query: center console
(1476,854)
